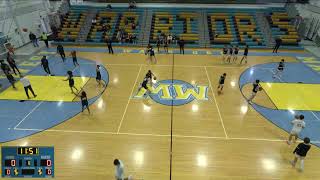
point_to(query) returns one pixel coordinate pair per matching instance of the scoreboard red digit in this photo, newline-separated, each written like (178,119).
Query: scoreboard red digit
(29,162)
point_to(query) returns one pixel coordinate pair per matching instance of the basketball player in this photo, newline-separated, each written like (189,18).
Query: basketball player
(301,152)
(256,88)
(27,86)
(224,53)
(71,81)
(74,58)
(235,55)
(298,124)
(230,54)
(144,85)
(98,77)
(151,54)
(165,46)
(45,65)
(149,76)
(12,63)
(119,171)
(279,70)
(221,82)
(60,50)
(84,101)
(245,54)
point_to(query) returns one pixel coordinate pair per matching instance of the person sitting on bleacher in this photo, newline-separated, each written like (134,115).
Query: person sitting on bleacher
(132,5)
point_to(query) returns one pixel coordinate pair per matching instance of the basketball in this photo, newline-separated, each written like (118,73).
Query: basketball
(155,78)
(260,88)
(24,29)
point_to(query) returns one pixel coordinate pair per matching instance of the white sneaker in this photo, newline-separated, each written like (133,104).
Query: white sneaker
(130,177)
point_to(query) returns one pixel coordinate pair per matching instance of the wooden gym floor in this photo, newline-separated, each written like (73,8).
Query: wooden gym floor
(221,138)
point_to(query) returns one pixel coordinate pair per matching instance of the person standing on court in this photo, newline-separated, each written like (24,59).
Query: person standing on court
(245,54)
(27,86)
(255,89)
(109,44)
(98,77)
(74,58)
(33,39)
(181,45)
(300,153)
(84,101)
(45,65)
(60,50)
(71,81)
(44,37)
(12,63)
(298,124)
(119,171)
(278,44)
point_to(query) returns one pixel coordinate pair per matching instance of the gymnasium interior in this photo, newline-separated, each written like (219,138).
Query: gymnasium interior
(180,126)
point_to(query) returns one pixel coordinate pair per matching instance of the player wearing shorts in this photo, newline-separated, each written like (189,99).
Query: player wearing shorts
(300,152)
(149,76)
(144,85)
(71,81)
(245,54)
(280,69)
(221,81)
(230,54)
(84,101)
(98,76)
(235,54)
(152,55)
(224,53)
(255,89)
(298,124)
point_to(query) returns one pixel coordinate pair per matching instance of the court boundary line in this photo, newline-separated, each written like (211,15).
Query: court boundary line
(25,117)
(166,65)
(129,99)
(216,103)
(157,135)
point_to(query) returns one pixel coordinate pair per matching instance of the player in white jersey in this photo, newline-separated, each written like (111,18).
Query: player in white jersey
(298,124)
(119,171)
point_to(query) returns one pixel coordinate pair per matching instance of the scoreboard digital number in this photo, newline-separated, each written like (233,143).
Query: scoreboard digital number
(37,162)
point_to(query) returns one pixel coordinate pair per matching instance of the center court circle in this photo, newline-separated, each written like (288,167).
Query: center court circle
(180,92)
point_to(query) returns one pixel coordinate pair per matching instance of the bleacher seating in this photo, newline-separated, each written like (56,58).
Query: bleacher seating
(71,25)
(236,28)
(116,19)
(179,23)
(281,27)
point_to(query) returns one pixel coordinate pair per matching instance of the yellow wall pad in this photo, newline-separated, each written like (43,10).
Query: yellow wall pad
(47,88)
(294,96)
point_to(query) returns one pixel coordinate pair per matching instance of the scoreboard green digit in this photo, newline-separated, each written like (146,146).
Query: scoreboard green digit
(31,162)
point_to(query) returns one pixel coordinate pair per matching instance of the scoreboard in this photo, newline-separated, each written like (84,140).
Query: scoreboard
(37,162)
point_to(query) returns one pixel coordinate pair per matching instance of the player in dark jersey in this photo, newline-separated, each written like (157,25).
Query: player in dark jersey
(150,76)
(255,89)
(301,152)
(98,77)
(235,54)
(230,54)
(84,101)
(245,54)
(224,53)
(71,81)
(221,81)
(279,70)
(144,85)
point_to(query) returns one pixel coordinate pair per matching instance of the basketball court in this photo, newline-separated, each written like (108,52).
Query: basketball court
(205,135)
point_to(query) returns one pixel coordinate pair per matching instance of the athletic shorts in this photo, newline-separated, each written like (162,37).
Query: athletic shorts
(293,132)
(144,85)
(298,156)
